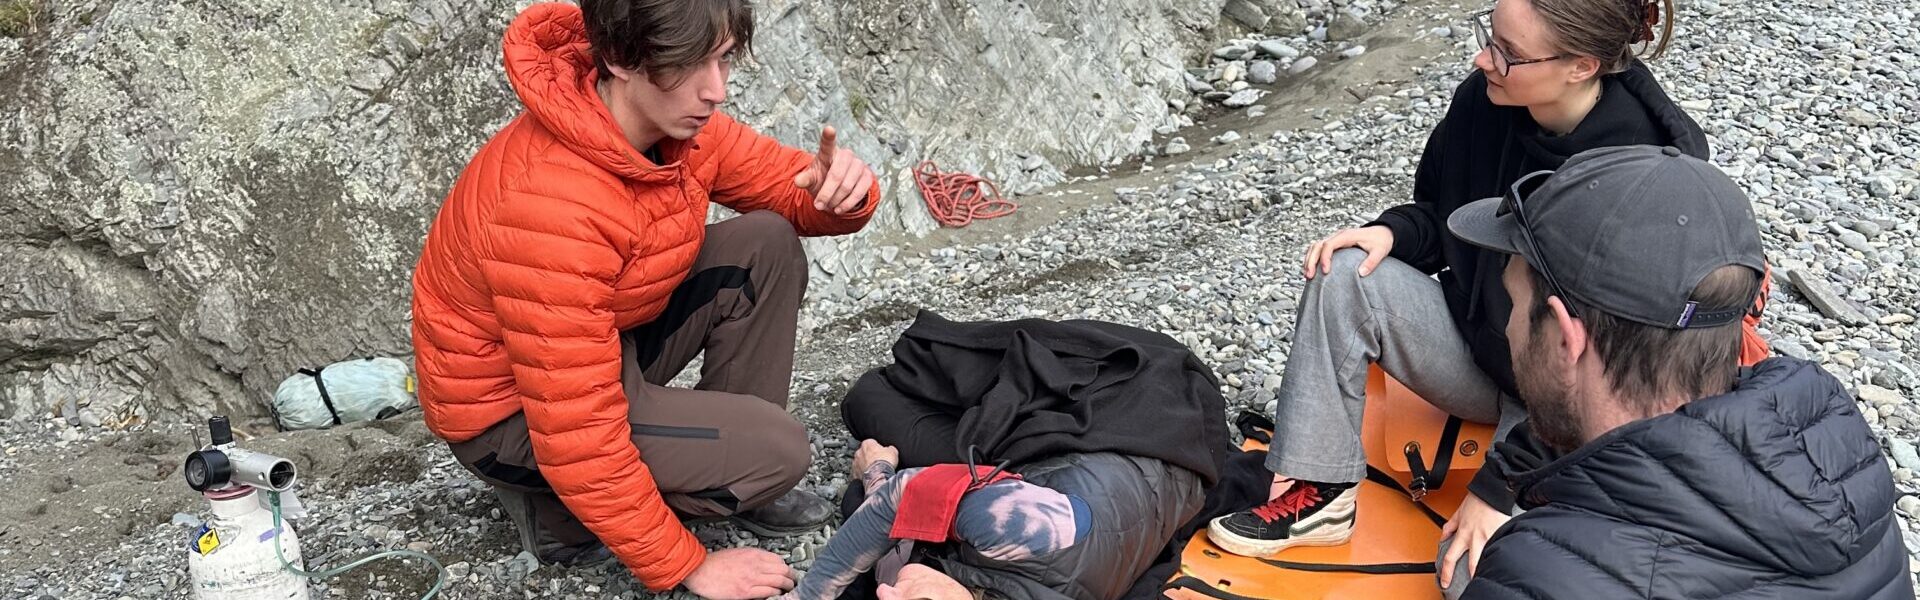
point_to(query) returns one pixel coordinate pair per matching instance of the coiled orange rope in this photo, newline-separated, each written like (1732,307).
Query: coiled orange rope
(957,199)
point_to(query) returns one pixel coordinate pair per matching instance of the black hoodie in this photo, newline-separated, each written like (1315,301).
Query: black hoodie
(1478,151)
(1773,490)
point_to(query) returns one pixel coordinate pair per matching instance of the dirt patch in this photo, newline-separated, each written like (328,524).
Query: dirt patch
(92,496)
(873,316)
(1073,271)
(63,504)
(392,466)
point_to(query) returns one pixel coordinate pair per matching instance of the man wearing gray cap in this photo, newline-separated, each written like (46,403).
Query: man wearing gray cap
(1653,465)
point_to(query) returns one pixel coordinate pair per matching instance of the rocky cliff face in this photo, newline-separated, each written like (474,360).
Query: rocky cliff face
(196,198)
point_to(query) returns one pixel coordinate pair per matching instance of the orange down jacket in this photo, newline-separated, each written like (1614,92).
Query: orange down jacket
(556,237)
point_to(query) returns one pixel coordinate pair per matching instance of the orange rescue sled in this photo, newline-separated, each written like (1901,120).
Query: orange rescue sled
(1410,444)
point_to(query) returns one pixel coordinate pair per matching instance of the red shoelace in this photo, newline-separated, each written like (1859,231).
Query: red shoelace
(1300,497)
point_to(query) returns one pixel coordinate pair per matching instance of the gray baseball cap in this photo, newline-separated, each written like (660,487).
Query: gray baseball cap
(1629,230)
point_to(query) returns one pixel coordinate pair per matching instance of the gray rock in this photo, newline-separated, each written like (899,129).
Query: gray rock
(1353,52)
(1285,18)
(1345,25)
(1791,348)
(1859,118)
(459,570)
(1242,99)
(1881,187)
(185,521)
(1815,290)
(1227,138)
(521,565)
(1231,52)
(1196,85)
(1880,396)
(1893,378)
(1176,147)
(1277,49)
(1867,228)
(1904,454)
(1233,72)
(1246,13)
(1263,72)
(1301,66)
(1853,239)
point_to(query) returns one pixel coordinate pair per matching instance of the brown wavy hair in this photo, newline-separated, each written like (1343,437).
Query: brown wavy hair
(1612,31)
(664,38)
(1645,362)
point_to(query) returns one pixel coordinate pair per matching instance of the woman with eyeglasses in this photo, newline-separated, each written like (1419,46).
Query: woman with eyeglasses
(1553,78)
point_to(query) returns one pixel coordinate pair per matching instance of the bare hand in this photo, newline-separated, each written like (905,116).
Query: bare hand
(1376,240)
(917,582)
(838,180)
(740,574)
(871,451)
(1470,527)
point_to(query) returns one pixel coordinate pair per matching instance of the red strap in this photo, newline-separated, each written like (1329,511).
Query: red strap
(926,508)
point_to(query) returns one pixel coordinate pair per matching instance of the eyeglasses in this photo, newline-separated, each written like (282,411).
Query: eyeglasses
(1483,31)
(1514,203)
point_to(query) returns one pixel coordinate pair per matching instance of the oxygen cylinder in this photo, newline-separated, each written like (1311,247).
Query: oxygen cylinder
(231,556)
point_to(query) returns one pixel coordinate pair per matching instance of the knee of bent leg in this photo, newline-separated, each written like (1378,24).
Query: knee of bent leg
(863,414)
(1347,260)
(773,233)
(782,441)
(1342,276)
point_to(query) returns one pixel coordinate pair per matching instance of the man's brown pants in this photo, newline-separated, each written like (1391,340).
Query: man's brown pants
(726,446)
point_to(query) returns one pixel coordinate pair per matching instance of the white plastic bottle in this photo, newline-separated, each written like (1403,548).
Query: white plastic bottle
(231,556)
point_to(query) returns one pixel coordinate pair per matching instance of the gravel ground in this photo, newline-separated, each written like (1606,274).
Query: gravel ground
(1811,107)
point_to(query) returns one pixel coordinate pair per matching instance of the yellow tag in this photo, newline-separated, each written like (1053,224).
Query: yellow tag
(410,384)
(208,541)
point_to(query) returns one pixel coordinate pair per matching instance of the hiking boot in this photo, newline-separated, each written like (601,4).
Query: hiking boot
(1307,514)
(793,513)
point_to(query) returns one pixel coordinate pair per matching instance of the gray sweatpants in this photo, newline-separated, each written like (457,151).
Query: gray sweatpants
(1396,317)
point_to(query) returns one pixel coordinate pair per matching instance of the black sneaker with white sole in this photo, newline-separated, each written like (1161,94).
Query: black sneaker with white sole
(1308,514)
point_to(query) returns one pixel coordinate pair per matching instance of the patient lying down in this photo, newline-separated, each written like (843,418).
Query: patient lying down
(1004,519)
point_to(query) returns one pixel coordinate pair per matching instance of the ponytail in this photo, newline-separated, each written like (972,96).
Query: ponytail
(1614,32)
(1650,17)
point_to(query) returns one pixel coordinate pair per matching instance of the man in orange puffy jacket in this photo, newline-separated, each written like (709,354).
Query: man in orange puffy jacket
(570,275)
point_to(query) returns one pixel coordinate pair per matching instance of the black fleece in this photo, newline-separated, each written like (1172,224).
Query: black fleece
(1478,151)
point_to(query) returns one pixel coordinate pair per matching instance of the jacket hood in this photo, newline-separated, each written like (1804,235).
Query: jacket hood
(551,67)
(1781,472)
